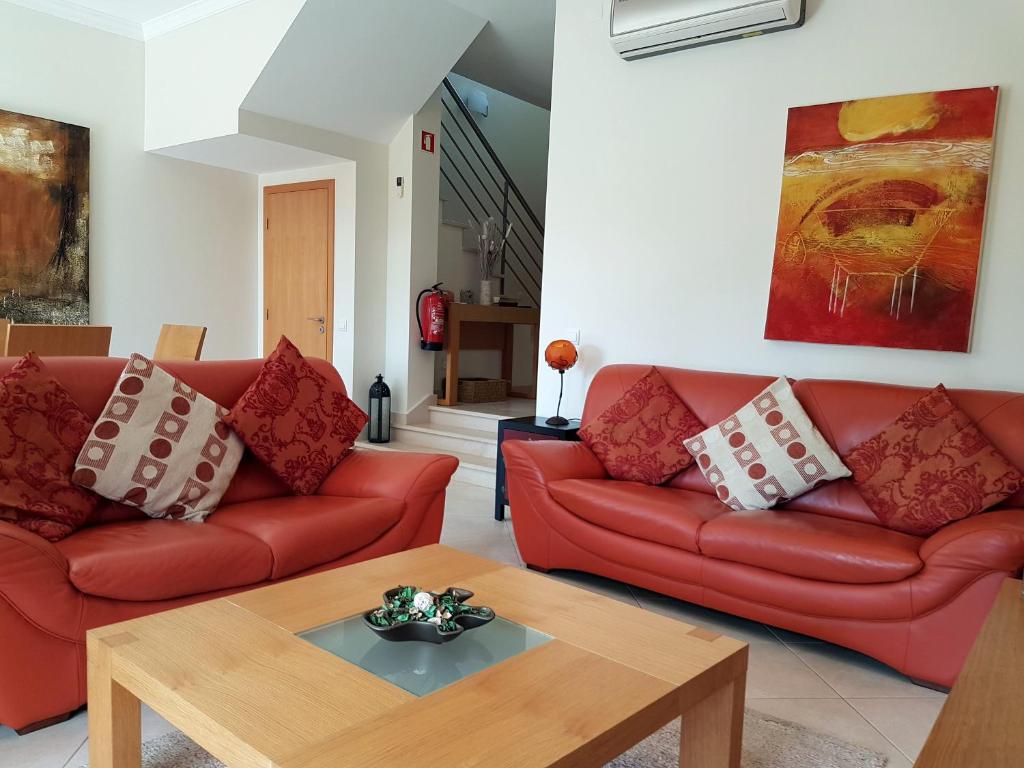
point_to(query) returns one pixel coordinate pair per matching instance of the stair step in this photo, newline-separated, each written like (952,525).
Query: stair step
(449,439)
(475,470)
(479,417)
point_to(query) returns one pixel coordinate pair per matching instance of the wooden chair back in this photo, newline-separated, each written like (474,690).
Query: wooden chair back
(180,342)
(57,340)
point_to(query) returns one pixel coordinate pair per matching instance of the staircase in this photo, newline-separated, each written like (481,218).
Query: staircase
(470,436)
(474,179)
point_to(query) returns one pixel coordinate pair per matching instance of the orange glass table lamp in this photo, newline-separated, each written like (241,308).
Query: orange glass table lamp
(561,355)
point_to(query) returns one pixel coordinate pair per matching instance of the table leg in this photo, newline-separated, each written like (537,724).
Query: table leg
(115,726)
(451,389)
(712,732)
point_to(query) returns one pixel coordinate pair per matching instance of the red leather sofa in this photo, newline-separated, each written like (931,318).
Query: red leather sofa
(822,565)
(124,565)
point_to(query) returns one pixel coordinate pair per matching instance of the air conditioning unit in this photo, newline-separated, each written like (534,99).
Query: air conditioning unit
(641,28)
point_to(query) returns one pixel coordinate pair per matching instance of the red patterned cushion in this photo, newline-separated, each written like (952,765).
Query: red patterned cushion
(640,437)
(296,421)
(930,467)
(41,432)
(766,452)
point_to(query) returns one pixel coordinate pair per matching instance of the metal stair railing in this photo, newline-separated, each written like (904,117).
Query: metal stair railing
(484,187)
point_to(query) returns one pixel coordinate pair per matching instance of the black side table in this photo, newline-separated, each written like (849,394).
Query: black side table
(525,428)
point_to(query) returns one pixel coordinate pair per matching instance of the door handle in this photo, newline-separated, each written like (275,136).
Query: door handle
(321,319)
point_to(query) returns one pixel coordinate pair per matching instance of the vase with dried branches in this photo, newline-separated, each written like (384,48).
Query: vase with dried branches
(490,243)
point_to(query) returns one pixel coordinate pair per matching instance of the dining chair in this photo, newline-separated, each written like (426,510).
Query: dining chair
(180,342)
(56,340)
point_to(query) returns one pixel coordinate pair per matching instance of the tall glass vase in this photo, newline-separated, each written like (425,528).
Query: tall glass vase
(487,291)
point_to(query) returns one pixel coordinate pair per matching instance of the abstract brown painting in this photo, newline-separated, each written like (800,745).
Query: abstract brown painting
(880,226)
(44,220)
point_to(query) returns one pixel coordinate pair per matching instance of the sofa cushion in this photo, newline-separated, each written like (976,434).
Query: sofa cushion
(640,436)
(306,531)
(663,515)
(159,445)
(767,451)
(163,559)
(295,420)
(812,546)
(41,431)
(930,467)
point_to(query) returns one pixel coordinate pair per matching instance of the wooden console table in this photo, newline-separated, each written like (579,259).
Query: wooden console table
(982,722)
(475,326)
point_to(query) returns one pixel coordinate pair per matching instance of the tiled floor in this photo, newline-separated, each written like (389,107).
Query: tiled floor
(816,684)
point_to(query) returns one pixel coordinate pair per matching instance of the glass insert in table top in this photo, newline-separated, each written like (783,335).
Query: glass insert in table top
(422,668)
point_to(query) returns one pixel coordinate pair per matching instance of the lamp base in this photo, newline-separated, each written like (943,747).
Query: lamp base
(557,421)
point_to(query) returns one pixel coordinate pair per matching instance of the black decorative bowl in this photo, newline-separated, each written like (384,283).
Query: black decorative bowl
(422,630)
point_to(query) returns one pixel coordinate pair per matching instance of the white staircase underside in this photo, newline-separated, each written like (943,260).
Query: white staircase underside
(361,68)
(353,68)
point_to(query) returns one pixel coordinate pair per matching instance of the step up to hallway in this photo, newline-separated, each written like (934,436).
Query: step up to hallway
(469,433)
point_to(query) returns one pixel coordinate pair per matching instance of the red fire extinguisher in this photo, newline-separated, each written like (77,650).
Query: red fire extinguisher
(431,314)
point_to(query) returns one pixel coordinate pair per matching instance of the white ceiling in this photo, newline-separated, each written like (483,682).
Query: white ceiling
(138,11)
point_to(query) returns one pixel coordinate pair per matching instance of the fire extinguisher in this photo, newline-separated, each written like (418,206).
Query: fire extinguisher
(431,314)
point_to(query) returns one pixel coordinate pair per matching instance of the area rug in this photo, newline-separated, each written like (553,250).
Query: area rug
(767,743)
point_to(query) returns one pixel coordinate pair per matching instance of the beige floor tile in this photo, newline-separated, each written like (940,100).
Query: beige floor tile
(153,727)
(733,626)
(602,586)
(834,717)
(793,638)
(774,672)
(905,722)
(855,676)
(49,748)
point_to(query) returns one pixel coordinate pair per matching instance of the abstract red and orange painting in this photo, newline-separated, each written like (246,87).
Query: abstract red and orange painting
(880,225)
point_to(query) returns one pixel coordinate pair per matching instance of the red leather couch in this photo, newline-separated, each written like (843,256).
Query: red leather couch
(124,565)
(822,565)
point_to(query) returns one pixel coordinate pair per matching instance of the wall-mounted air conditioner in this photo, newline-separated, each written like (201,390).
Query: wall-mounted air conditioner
(648,27)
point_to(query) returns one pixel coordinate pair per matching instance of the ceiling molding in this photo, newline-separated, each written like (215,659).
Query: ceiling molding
(70,11)
(160,25)
(189,14)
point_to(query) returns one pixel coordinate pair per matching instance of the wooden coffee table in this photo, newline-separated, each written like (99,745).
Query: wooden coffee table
(235,677)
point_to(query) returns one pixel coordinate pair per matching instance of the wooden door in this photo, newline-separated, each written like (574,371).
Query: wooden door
(298,266)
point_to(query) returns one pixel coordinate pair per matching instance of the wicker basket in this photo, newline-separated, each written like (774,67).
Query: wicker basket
(482,390)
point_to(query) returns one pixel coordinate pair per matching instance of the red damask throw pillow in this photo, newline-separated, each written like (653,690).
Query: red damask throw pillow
(930,467)
(42,430)
(640,437)
(296,421)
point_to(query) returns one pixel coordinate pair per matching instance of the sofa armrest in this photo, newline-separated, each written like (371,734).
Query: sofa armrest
(399,475)
(34,581)
(546,461)
(992,541)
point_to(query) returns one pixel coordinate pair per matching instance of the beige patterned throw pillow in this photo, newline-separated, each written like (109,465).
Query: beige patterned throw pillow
(767,452)
(159,445)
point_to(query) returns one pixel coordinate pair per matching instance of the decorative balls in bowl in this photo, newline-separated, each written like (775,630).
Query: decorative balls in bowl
(409,613)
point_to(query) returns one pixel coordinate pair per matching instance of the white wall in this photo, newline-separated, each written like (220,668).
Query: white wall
(344,175)
(412,257)
(367,293)
(664,179)
(169,241)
